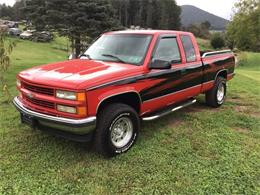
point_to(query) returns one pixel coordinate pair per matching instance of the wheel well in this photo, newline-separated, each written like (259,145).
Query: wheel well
(132,99)
(222,73)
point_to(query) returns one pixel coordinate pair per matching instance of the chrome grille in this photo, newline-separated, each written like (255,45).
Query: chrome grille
(41,103)
(37,89)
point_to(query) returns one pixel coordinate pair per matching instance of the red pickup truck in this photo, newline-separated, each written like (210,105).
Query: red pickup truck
(123,78)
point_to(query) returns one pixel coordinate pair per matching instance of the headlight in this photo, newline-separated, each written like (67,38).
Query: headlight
(18,83)
(66,95)
(67,109)
(69,95)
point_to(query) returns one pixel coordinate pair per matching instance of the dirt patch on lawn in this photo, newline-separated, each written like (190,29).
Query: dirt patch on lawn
(241,130)
(247,109)
(192,109)
(243,106)
(174,122)
(240,101)
(255,114)
(201,107)
(236,100)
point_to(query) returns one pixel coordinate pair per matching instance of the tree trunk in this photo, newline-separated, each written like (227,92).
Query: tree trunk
(126,13)
(77,46)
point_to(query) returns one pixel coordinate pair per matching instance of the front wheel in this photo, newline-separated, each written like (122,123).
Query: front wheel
(216,96)
(117,129)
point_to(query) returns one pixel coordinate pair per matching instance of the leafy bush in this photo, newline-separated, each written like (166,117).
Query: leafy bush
(217,41)
(242,59)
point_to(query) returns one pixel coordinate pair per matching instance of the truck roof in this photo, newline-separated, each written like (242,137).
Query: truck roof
(149,32)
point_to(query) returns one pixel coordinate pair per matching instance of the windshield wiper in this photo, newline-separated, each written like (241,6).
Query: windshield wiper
(115,57)
(85,55)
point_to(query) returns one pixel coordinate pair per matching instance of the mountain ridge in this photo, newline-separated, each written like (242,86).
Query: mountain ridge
(192,15)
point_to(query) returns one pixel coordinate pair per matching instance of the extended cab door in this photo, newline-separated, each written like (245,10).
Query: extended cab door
(192,66)
(182,81)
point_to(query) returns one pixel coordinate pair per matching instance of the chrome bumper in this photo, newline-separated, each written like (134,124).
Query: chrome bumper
(80,126)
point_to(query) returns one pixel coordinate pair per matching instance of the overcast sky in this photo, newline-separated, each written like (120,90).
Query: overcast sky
(222,8)
(8,2)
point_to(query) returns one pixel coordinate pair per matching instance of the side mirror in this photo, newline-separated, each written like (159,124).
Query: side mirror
(72,56)
(160,64)
(83,56)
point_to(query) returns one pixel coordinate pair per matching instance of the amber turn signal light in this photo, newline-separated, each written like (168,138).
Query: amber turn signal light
(82,111)
(81,96)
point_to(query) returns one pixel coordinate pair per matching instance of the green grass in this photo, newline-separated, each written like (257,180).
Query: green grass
(249,61)
(193,151)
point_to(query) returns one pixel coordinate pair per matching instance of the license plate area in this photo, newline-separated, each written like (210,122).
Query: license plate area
(29,120)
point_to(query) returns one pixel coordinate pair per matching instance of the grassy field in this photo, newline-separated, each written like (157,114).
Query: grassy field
(193,151)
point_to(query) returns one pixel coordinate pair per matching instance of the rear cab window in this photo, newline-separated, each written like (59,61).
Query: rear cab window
(189,49)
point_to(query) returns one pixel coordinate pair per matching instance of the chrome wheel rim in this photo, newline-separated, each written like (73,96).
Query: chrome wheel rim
(221,93)
(121,132)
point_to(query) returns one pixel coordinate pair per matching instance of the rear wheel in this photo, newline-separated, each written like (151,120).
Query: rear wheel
(216,96)
(117,129)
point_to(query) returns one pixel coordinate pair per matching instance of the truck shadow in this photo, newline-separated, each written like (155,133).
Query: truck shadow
(150,129)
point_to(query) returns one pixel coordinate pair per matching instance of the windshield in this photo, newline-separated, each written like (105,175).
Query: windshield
(124,48)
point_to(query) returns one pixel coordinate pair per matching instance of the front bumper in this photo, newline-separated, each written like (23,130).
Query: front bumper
(73,126)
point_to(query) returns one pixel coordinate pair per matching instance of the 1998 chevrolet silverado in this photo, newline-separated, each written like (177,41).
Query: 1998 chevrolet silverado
(124,77)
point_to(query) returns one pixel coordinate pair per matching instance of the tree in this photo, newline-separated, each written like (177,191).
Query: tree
(170,15)
(76,19)
(36,11)
(200,30)
(13,13)
(6,12)
(217,41)
(5,51)
(18,10)
(148,13)
(244,29)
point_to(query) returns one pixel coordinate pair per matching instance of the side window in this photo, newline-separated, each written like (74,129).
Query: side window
(168,50)
(188,48)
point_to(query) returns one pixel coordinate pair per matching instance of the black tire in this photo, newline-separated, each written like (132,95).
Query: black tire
(108,118)
(212,95)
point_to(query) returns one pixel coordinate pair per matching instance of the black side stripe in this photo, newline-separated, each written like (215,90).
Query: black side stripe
(171,81)
(137,78)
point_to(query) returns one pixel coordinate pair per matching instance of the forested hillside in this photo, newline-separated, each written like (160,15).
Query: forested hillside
(148,13)
(191,15)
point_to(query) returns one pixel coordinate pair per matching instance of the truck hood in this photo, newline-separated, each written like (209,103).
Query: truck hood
(78,74)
